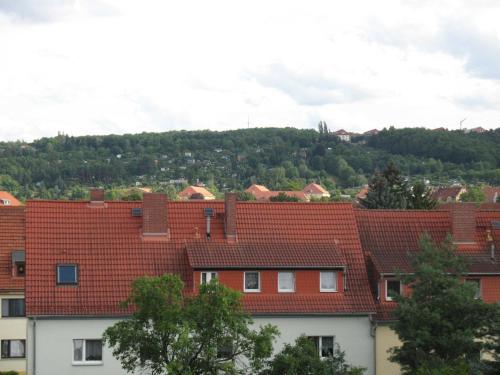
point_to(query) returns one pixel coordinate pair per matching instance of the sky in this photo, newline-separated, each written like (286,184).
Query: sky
(127,66)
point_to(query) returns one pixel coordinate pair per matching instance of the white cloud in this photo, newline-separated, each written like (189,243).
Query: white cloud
(102,66)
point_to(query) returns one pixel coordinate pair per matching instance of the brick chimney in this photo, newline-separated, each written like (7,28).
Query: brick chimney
(230,217)
(96,195)
(97,198)
(463,223)
(154,215)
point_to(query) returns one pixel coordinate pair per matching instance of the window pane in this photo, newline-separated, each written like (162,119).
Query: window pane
(252,280)
(328,281)
(285,281)
(315,341)
(66,274)
(477,287)
(17,307)
(5,348)
(393,288)
(5,307)
(203,277)
(17,348)
(93,350)
(77,350)
(327,346)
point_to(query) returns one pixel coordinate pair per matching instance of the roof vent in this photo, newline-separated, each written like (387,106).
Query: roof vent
(495,224)
(209,212)
(136,212)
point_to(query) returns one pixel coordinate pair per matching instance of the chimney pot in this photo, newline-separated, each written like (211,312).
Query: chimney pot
(155,215)
(230,217)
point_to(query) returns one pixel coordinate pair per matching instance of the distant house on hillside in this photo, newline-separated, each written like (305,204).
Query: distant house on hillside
(491,193)
(362,193)
(196,192)
(343,135)
(448,194)
(316,191)
(7,199)
(477,130)
(262,193)
(371,132)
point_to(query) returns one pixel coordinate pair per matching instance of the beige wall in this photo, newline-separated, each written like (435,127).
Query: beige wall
(12,328)
(385,338)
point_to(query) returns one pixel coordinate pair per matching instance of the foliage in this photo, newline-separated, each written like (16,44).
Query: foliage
(473,194)
(303,358)
(440,323)
(283,197)
(245,196)
(9,373)
(386,190)
(280,158)
(420,197)
(169,333)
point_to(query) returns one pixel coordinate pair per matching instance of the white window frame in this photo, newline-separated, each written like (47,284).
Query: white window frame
(210,276)
(84,362)
(320,344)
(10,343)
(58,276)
(329,290)
(245,282)
(387,297)
(282,290)
(474,279)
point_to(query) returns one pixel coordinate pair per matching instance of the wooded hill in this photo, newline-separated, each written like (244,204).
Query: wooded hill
(281,158)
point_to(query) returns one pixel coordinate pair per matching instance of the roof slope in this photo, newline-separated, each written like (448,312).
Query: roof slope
(190,190)
(107,245)
(313,188)
(13,201)
(392,237)
(12,236)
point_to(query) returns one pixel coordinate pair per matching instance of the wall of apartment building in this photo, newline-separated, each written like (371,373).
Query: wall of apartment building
(53,340)
(12,328)
(352,333)
(385,338)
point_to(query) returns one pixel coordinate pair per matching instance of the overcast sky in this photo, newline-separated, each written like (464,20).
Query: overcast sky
(120,66)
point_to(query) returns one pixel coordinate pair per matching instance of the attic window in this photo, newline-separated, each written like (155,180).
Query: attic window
(477,287)
(18,263)
(392,289)
(6,202)
(67,274)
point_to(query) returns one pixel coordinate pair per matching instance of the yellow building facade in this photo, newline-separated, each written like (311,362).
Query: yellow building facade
(12,333)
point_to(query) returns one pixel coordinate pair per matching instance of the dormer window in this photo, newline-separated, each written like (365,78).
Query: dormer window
(328,281)
(67,274)
(6,202)
(477,287)
(207,276)
(392,289)
(18,263)
(286,282)
(252,282)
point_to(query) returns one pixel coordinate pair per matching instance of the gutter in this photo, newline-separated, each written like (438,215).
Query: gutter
(373,333)
(34,346)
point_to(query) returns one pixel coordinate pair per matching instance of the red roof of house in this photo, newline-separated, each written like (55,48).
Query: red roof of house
(443,193)
(107,245)
(313,188)
(12,236)
(341,132)
(190,190)
(264,256)
(256,188)
(491,193)
(391,239)
(6,196)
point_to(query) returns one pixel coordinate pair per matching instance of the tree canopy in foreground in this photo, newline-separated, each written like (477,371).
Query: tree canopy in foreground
(442,325)
(170,333)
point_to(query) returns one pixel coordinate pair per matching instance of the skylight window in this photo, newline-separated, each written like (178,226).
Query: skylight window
(67,274)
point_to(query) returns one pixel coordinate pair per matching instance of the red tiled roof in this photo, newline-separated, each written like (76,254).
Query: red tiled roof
(107,245)
(314,189)
(11,238)
(443,193)
(491,193)
(264,255)
(254,187)
(392,237)
(190,190)
(13,201)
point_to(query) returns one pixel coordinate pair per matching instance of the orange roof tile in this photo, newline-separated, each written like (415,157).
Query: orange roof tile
(107,245)
(190,190)
(314,189)
(7,199)
(12,234)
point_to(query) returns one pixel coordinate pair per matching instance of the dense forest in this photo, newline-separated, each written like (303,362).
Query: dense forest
(281,158)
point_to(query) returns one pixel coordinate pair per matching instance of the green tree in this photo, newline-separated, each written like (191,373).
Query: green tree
(245,196)
(441,324)
(303,358)
(283,197)
(420,197)
(473,194)
(387,190)
(169,333)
